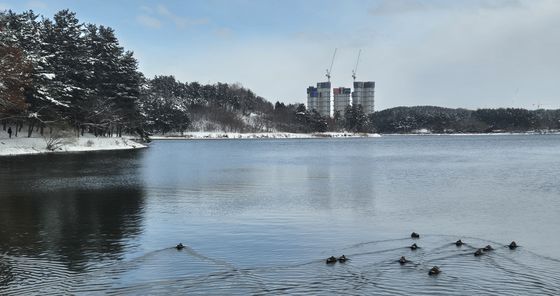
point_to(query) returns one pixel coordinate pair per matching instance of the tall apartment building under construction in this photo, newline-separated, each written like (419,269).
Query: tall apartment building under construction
(319,98)
(341,99)
(364,94)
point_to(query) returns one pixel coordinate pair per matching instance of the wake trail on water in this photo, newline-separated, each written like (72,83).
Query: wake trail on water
(372,268)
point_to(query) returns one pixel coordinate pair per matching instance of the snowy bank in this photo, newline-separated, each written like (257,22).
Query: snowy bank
(275,135)
(36,145)
(528,133)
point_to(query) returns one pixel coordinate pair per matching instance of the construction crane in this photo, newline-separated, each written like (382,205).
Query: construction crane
(330,70)
(356,67)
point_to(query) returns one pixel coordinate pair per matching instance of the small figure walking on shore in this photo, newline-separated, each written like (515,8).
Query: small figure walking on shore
(10,132)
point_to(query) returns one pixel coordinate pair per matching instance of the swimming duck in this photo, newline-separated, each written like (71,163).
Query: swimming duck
(179,246)
(459,243)
(331,260)
(415,235)
(403,260)
(512,245)
(435,270)
(478,252)
(488,248)
(342,259)
(414,247)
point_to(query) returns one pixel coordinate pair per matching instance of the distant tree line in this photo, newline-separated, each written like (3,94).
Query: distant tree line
(446,120)
(168,105)
(62,73)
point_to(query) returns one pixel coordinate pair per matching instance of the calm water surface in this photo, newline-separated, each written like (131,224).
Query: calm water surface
(260,217)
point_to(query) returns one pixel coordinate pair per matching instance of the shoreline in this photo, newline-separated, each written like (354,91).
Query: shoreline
(90,143)
(37,145)
(328,135)
(479,134)
(249,136)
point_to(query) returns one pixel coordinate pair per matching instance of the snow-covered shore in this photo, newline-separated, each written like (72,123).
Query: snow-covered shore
(530,133)
(275,135)
(37,145)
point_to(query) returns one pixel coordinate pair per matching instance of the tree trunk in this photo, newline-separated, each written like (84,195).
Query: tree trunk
(30,128)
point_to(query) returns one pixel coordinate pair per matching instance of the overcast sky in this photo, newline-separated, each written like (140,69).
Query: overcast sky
(472,54)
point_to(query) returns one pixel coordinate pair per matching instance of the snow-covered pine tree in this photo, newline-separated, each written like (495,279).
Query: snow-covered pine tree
(68,56)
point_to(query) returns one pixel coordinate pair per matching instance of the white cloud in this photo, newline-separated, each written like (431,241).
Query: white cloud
(36,5)
(474,58)
(146,9)
(224,32)
(180,22)
(485,56)
(155,17)
(393,7)
(148,21)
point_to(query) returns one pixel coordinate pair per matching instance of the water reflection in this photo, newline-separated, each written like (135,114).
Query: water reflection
(260,217)
(74,209)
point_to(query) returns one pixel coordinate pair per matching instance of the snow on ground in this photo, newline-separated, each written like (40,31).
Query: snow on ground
(548,132)
(275,135)
(37,144)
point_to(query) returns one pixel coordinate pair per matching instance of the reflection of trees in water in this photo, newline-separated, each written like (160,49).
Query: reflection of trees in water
(6,275)
(70,223)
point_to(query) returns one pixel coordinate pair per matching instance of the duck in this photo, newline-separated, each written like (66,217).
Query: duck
(512,245)
(459,243)
(488,248)
(434,271)
(403,260)
(414,235)
(478,252)
(331,260)
(342,259)
(179,246)
(414,246)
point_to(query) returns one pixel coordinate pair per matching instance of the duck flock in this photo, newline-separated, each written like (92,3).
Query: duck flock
(434,270)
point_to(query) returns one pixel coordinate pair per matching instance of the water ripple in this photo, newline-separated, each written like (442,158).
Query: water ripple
(373,268)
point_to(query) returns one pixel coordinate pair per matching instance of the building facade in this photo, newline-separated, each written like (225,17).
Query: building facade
(341,99)
(319,98)
(364,94)
(324,98)
(312,98)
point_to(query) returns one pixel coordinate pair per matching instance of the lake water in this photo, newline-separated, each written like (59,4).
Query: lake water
(261,217)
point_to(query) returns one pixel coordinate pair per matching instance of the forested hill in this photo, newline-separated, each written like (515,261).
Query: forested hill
(66,74)
(61,73)
(446,120)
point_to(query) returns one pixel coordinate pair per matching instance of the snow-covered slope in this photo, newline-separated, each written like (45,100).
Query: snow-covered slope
(36,145)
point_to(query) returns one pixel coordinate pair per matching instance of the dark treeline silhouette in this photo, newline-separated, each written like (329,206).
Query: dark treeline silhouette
(64,74)
(446,120)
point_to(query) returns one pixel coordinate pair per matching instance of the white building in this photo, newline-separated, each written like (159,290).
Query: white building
(341,99)
(324,98)
(364,94)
